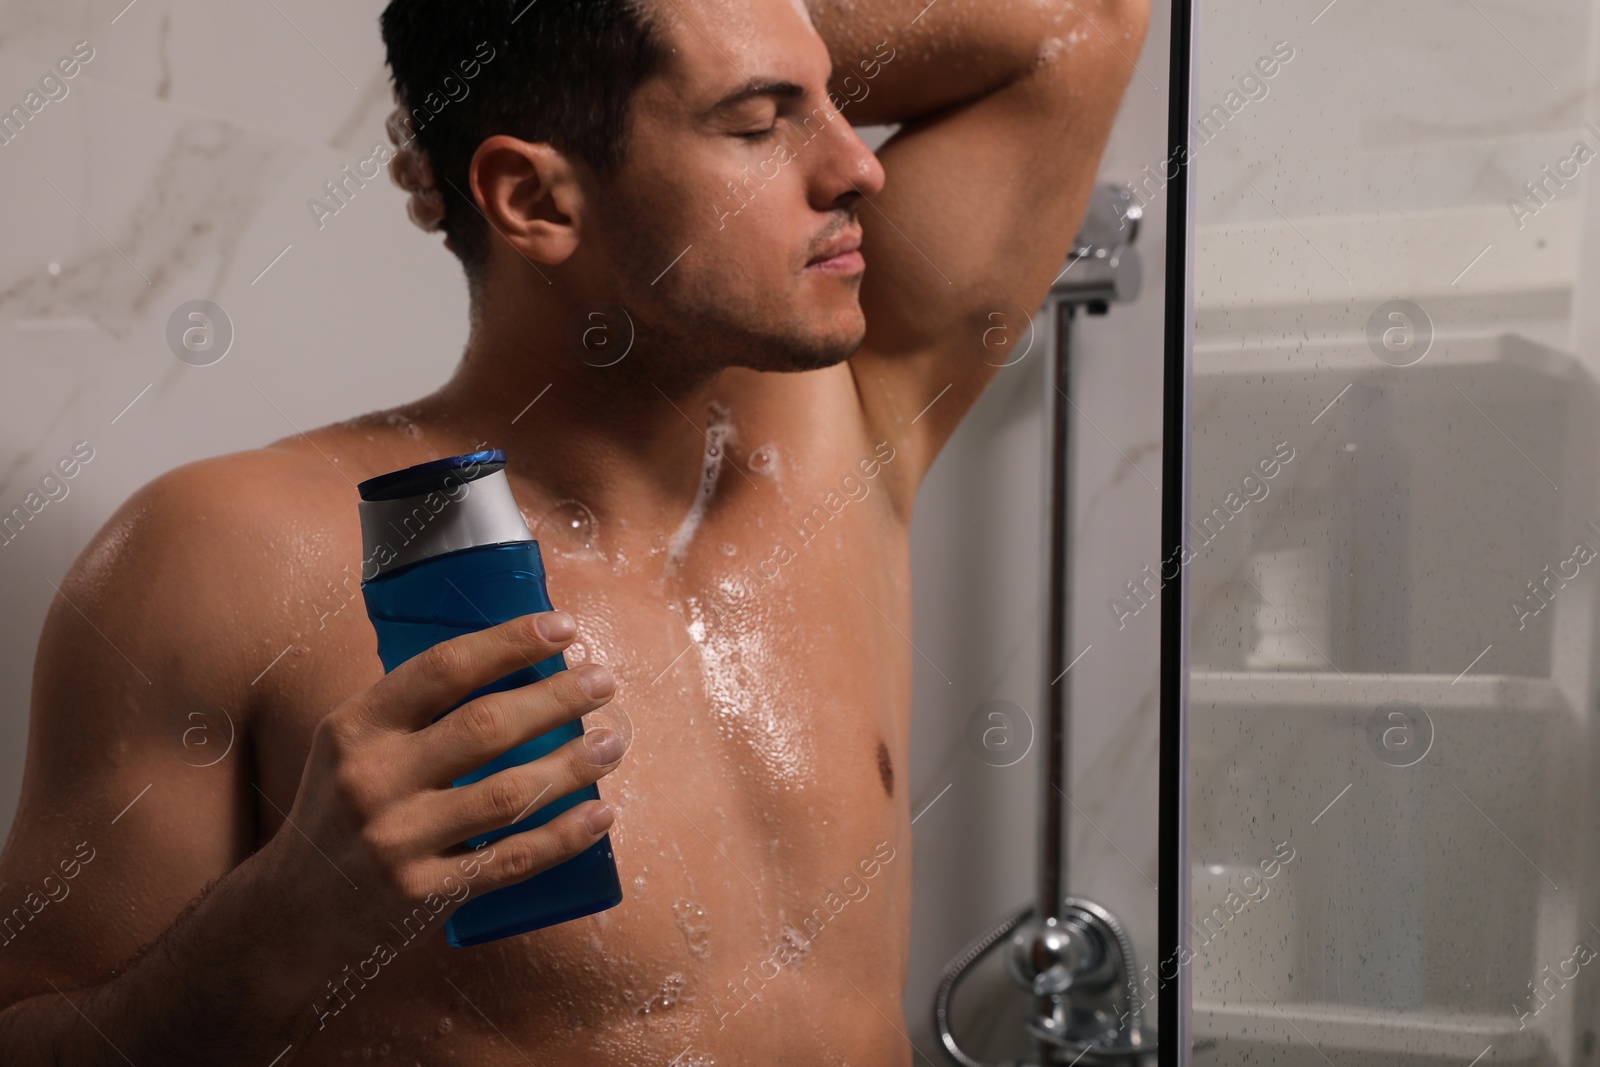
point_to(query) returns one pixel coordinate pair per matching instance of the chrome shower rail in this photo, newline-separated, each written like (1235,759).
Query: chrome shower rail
(1071,954)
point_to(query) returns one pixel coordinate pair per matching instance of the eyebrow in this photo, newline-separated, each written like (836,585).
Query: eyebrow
(782,90)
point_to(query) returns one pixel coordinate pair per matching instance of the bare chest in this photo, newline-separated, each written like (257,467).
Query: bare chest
(764,687)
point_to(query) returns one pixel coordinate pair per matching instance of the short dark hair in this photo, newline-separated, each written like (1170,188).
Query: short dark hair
(561,72)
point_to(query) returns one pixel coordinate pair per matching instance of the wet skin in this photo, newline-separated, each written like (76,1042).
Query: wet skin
(763,665)
(757,717)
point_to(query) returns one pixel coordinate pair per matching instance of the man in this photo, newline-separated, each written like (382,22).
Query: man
(717,410)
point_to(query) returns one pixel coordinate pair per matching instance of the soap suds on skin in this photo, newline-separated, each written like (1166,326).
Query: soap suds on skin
(718,432)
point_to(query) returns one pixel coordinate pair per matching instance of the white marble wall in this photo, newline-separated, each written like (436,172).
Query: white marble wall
(177,167)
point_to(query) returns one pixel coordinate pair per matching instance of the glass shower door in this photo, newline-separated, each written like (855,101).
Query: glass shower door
(1392,546)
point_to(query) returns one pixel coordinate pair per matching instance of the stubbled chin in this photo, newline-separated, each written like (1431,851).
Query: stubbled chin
(814,351)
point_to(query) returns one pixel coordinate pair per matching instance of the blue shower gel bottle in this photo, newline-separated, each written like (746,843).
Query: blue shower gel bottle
(448,553)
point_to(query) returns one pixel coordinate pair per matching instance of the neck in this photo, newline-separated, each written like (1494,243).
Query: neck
(626,443)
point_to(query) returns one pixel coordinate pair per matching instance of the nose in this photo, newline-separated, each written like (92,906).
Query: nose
(849,167)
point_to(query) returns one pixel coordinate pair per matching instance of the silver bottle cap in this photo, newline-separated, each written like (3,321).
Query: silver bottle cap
(440,506)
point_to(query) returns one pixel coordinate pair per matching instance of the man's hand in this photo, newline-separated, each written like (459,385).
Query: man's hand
(376,798)
(240,938)
(375,831)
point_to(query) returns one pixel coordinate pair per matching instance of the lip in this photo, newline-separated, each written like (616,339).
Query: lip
(841,255)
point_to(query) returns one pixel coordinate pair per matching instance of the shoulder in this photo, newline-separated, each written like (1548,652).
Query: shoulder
(231,511)
(185,585)
(143,700)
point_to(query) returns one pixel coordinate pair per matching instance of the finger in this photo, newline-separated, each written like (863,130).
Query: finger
(517,857)
(490,725)
(508,797)
(438,678)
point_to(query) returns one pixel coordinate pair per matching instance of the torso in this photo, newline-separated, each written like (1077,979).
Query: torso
(762,801)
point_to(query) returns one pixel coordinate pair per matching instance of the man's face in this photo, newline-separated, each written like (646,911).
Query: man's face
(729,191)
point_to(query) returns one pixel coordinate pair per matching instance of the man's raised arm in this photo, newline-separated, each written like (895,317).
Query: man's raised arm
(1005,114)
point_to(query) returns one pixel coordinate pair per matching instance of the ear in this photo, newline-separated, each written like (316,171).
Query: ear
(531,194)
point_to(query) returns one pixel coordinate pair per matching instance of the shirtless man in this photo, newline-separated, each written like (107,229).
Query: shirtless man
(724,512)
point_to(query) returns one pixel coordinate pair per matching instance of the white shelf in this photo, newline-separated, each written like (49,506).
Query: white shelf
(1219,360)
(1335,1027)
(1413,252)
(1281,690)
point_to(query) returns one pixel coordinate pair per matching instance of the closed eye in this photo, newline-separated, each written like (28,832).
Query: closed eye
(758,135)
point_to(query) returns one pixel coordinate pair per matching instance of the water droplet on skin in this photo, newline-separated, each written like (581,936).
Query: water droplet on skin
(764,460)
(728,549)
(403,424)
(666,996)
(445,1025)
(696,926)
(797,942)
